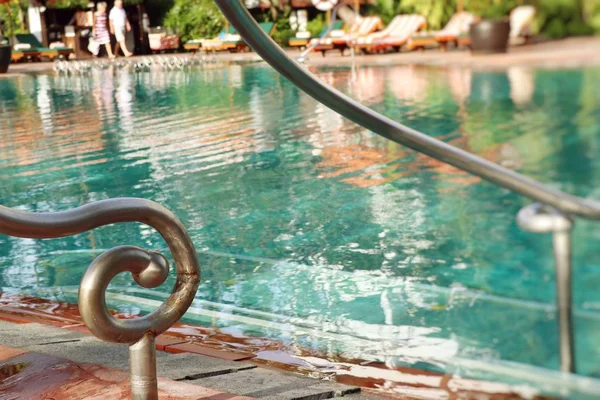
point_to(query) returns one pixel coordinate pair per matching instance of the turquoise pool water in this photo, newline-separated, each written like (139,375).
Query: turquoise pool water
(310,229)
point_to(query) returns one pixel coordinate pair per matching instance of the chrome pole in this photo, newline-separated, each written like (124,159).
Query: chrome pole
(142,361)
(544,219)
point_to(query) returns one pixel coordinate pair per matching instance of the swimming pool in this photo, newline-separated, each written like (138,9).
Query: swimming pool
(311,230)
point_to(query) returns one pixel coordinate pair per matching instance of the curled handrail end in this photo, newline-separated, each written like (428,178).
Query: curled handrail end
(541,218)
(148,268)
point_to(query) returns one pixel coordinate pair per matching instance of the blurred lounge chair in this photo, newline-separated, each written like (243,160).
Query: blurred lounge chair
(29,47)
(396,35)
(456,31)
(194,45)
(233,42)
(302,39)
(341,41)
(520,21)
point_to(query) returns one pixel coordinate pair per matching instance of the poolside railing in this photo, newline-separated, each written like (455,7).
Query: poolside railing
(149,269)
(554,211)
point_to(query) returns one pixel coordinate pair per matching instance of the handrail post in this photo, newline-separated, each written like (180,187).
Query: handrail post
(142,364)
(544,219)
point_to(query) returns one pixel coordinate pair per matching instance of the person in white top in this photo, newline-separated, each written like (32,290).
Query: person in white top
(119,26)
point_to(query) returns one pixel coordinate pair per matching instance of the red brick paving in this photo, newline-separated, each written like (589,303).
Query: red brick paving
(35,376)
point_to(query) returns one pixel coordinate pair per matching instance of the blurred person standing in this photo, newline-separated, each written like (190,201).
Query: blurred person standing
(119,26)
(100,29)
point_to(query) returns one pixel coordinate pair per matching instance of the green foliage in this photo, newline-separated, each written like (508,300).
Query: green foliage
(194,19)
(316,25)
(283,31)
(591,14)
(579,28)
(67,3)
(491,9)
(9,14)
(555,28)
(554,18)
(560,18)
(437,12)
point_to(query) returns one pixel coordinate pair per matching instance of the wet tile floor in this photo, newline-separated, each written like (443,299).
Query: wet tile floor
(27,375)
(216,373)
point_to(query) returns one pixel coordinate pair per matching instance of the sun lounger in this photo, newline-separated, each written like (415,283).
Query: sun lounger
(302,39)
(36,50)
(234,42)
(396,35)
(194,45)
(22,52)
(520,21)
(456,31)
(339,41)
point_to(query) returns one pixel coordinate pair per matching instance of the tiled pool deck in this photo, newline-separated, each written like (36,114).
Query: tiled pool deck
(52,355)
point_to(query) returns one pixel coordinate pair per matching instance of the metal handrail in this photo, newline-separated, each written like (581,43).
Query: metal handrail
(250,31)
(555,204)
(149,269)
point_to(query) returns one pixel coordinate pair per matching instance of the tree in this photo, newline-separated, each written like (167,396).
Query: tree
(437,12)
(278,7)
(11,13)
(194,19)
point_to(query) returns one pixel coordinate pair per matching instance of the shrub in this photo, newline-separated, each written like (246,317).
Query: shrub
(579,28)
(560,18)
(283,31)
(316,25)
(194,19)
(555,29)
(437,12)
(11,13)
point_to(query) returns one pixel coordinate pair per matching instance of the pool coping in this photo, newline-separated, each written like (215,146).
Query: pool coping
(65,321)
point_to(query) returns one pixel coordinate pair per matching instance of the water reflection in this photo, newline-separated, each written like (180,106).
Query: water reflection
(310,229)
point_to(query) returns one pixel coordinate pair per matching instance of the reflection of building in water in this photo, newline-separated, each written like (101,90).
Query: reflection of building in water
(102,92)
(20,125)
(51,129)
(124,99)
(408,82)
(367,85)
(160,79)
(44,103)
(521,85)
(459,81)
(364,164)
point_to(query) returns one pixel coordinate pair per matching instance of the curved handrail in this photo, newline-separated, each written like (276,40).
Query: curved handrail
(149,269)
(250,31)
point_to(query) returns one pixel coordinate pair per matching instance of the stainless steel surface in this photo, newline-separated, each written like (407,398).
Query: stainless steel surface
(247,27)
(148,269)
(543,219)
(142,360)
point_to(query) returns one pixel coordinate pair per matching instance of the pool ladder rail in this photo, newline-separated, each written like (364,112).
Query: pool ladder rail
(554,212)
